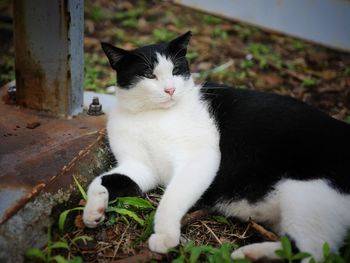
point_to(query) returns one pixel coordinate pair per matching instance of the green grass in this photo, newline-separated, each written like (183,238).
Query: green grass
(142,211)
(213,20)
(191,253)
(264,55)
(97,13)
(218,33)
(7,69)
(347,71)
(163,35)
(97,75)
(309,82)
(46,254)
(245,32)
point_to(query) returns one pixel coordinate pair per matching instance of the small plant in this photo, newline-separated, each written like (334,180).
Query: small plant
(213,20)
(245,32)
(192,254)
(128,206)
(347,71)
(264,55)
(297,44)
(132,13)
(287,253)
(96,75)
(219,33)
(246,64)
(45,255)
(192,55)
(97,13)
(163,35)
(81,189)
(328,257)
(63,216)
(308,82)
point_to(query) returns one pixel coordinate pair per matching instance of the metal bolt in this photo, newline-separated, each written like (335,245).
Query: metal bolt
(11,90)
(95,108)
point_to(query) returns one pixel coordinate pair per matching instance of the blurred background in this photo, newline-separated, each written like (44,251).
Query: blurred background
(221,50)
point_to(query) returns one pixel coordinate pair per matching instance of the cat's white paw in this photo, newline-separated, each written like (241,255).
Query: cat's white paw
(97,202)
(161,243)
(238,254)
(257,251)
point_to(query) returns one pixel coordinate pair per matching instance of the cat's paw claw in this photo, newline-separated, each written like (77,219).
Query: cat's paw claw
(161,243)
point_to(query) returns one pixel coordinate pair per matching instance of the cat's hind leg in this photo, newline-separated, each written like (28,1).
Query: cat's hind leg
(312,213)
(130,179)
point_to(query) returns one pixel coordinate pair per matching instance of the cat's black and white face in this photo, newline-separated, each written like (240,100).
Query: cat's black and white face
(151,77)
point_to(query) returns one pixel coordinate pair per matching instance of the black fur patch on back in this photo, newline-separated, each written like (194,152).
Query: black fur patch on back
(265,137)
(119,185)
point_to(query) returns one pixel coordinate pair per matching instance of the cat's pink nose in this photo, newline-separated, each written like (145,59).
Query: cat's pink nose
(170,91)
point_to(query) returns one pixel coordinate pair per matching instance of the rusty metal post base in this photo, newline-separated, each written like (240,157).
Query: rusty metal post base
(50,55)
(38,157)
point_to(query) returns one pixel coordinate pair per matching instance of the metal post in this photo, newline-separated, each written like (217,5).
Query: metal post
(49,55)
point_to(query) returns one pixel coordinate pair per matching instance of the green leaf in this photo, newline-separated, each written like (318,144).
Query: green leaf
(287,247)
(312,260)
(195,253)
(148,226)
(134,201)
(326,250)
(34,253)
(180,259)
(60,244)
(59,259)
(127,212)
(222,220)
(225,251)
(81,189)
(63,217)
(82,237)
(308,82)
(281,253)
(75,260)
(301,255)
(243,260)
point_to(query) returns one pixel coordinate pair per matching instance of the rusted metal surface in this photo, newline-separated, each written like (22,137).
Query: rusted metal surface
(49,55)
(32,159)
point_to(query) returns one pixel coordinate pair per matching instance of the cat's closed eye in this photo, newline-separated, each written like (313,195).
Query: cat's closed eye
(176,70)
(149,75)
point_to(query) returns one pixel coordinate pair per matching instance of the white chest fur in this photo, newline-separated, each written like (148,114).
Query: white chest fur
(161,139)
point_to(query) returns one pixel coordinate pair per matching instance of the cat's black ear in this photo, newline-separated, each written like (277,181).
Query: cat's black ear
(114,54)
(180,43)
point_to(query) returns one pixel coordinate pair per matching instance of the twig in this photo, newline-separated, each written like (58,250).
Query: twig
(291,73)
(144,256)
(264,232)
(120,241)
(212,232)
(194,216)
(243,235)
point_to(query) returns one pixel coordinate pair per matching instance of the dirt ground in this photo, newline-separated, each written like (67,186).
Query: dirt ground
(221,51)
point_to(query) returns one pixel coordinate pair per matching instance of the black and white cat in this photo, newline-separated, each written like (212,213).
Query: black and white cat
(243,153)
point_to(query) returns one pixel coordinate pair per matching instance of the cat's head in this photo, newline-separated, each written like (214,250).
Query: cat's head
(151,77)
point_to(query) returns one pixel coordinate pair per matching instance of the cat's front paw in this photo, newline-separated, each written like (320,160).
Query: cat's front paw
(161,243)
(97,202)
